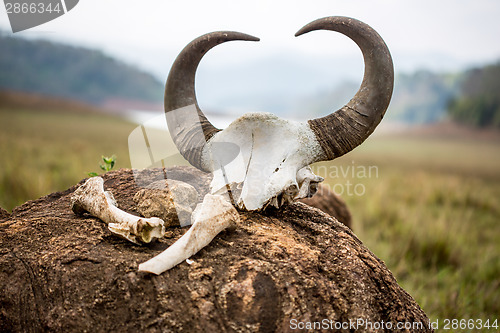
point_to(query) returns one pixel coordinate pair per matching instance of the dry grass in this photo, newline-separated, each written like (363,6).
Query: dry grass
(43,152)
(432,215)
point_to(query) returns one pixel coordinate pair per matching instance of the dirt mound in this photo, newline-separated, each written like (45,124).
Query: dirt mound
(330,203)
(3,213)
(277,271)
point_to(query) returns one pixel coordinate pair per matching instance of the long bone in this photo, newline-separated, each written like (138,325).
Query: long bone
(91,197)
(211,217)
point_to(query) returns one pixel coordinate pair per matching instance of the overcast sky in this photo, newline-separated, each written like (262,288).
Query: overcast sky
(150,33)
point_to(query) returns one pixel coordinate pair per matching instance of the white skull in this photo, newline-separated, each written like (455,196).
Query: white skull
(259,156)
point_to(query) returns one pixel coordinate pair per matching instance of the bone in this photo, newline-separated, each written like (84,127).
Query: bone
(265,170)
(308,183)
(210,217)
(268,151)
(91,197)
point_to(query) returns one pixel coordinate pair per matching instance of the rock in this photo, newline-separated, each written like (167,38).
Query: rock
(172,201)
(280,268)
(330,203)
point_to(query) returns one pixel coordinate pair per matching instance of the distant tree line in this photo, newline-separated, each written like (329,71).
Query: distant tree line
(44,67)
(71,72)
(478,102)
(418,98)
(471,97)
(422,97)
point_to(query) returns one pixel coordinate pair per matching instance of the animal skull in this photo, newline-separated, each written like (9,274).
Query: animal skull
(261,159)
(271,152)
(263,174)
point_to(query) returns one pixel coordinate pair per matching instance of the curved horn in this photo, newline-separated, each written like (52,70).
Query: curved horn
(191,133)
(342,131)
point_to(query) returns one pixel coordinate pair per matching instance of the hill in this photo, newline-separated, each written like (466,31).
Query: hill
(422,97)
(54,69)
(418,98)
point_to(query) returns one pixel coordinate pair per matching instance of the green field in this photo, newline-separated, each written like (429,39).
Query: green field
(44,152)
(432,214)
(425,204)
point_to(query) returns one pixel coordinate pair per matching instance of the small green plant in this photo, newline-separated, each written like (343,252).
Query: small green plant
(107,165)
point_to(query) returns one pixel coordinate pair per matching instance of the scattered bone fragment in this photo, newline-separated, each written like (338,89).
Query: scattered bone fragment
(173,201)
(210,217)
(91,197)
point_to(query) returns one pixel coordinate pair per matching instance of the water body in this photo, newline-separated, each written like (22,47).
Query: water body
(156,119)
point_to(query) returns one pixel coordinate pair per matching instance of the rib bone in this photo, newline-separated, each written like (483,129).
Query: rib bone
(210,217)
(91,197)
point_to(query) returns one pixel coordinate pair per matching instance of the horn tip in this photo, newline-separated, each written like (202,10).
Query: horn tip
(301,32)
(323,24)
(253,38)
(240,36)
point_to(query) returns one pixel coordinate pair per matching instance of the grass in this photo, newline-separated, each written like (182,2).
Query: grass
(43,152)
(431,213)
(427,206)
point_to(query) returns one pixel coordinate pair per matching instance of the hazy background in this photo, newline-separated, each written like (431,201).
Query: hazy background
(281,73)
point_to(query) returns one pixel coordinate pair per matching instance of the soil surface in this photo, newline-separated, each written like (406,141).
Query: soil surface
(330,203)
(278,270)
